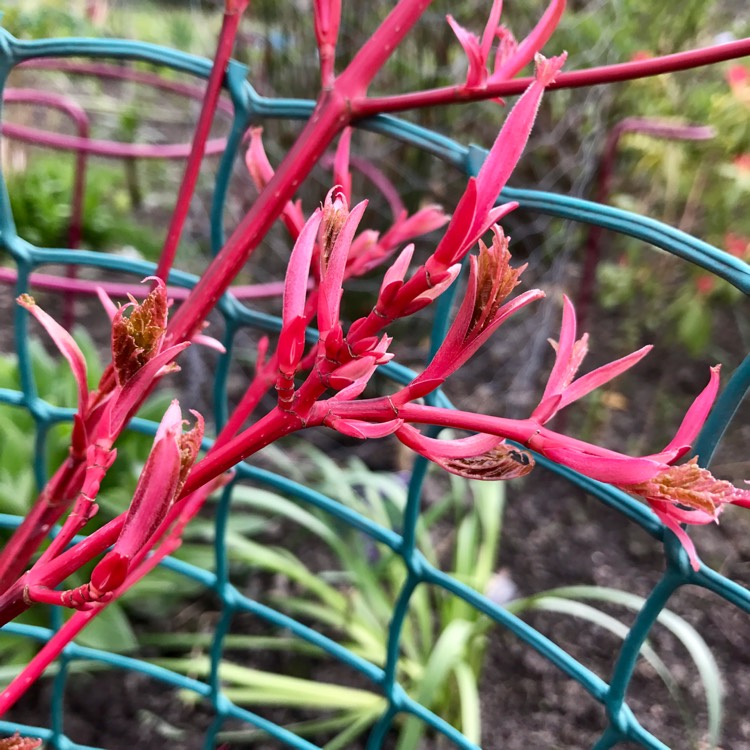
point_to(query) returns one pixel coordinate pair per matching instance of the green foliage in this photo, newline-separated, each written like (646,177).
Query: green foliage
(53,18)
(40,199)
(350,591)
(699,186)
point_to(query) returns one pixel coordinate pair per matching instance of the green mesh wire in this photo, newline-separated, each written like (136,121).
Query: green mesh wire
(249,107)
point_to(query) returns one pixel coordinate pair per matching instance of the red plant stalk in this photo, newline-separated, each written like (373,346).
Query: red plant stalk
(332,113)
(422,289)
(618,72)
(230,23)
(46,512)
(143,564)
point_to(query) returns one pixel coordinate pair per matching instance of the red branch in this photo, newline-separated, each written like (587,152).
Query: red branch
(574,79)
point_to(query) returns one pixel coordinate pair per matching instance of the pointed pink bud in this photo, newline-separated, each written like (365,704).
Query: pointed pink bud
(110,573)
(477,73)
(262,172)
(532,45)
(363,346)
(495,215)
(332,274)
(449,248)
(511,141)
(298,270)
(154,494)
(67,346)
(209,342)
(334,343)
(406,227)
(362,246)
(335,213)
(697,413)
(347,374)
(351,378)
(490,29)
(356,387)
(256,160)
(393,279)
(430,295)
(109,306)
(262,350)
(327,17)
(291,345)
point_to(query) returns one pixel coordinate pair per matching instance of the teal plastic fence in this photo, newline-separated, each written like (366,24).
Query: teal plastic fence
(623,726)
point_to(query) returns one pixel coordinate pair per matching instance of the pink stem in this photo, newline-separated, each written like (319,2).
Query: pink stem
(249,401)
(368,61)
(107,149)
(229,26)
(45,656)
(268,429)
(81,120)
(377,177)
(105,70)
(122,290)
(574,79)
(330,116)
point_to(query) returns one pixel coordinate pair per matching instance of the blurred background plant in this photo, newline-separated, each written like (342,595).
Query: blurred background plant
(338,581)
(40,198)
(348,589)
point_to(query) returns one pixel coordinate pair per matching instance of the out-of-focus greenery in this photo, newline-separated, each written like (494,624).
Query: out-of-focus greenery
(40,198)
(336,579)
(701,187)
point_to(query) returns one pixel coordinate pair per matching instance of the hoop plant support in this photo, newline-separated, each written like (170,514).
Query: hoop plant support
(250,108)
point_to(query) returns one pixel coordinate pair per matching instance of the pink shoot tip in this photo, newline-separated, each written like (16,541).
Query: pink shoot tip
(547,68)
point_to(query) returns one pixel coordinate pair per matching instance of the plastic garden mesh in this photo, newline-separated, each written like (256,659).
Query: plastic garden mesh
(249,107)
